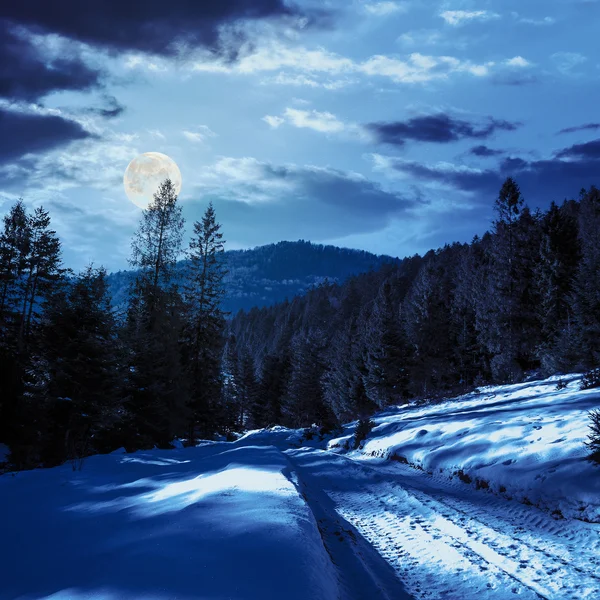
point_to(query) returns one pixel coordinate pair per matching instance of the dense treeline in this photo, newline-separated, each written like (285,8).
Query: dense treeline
(75,378)
(523,298)
(78,377)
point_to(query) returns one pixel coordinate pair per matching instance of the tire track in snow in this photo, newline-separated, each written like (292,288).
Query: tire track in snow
(441,551)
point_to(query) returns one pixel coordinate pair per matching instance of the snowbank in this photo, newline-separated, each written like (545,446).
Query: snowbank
(525,441)
(212,522)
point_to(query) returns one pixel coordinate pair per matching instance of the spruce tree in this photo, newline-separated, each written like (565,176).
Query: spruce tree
(76,373)
(156,383)
(386,359)
(204,293)
(586,286)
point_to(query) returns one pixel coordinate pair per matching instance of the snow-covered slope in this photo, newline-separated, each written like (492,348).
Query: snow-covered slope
(486,498)
(214,522)
(524,441)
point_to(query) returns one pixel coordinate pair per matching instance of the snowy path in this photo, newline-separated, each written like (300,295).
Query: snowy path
(445,540)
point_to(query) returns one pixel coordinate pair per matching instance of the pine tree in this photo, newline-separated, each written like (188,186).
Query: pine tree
(32,272)
(271,389)
(555,273)
(43,270)
(76,373)
(304,403)
(586,292)
(514,251)
(386,360)
(206,323)
(156,382)
(249,407)
(14,250)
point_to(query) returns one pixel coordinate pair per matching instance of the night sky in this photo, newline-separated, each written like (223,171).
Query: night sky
(381,125)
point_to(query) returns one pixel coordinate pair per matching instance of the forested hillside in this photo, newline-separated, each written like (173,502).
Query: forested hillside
(269,274)
(78,377)
(523,298)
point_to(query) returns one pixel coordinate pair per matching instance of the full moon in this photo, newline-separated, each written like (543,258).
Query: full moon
(145,173)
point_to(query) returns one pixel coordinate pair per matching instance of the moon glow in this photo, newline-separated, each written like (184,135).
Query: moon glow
(145,173)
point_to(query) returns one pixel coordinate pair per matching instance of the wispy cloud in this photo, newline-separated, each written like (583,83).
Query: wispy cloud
(325,122)
(382,9)
(199,134)
(460,17)
(577,128)
(538,21)
(317,67)
(567,62)
(273,121)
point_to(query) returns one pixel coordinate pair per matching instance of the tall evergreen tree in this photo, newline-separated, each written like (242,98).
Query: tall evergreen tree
(156,382)
(204,293)
(76,373)
(386,358)
(586,296)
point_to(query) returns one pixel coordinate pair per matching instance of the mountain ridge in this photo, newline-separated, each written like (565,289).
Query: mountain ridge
(265,275)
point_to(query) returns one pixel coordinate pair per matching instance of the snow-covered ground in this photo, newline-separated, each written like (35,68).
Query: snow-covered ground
(488,497)
(214,522)
(524,441)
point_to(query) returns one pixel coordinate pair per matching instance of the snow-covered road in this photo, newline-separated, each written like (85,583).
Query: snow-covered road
(488,496)
(446,541)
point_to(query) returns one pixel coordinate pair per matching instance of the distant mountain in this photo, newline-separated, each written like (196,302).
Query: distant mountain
(269,274)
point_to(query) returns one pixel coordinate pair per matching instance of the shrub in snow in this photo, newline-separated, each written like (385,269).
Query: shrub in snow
(561,384)
(591,379)
(363,428)
(594,437)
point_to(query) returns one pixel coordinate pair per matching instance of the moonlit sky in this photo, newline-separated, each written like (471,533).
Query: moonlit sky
(383,125)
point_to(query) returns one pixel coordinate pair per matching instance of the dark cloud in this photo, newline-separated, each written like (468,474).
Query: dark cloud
(153,26)
(112,109)
(514,78)
(27,75)
(540,180)
(316,204)
(22,133)
(440,129)
(586,127)
(485,151)
(589,150)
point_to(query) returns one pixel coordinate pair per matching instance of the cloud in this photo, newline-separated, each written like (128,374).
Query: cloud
(419,68)
(273,121)
(538,21)
(24,133)
(260,202)
(567,62)
(485,151)
(588,150)
(440,129)
(151,26)
(112,109)
(29,73)
(199,134)
(460,17)
(383,9)
(515,71)
(555,178)
(312,66)
(586,127)
(324,122)
(517,61)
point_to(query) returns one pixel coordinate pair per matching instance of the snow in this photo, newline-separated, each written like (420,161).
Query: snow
(523,441)
(488,496)
(210,522)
